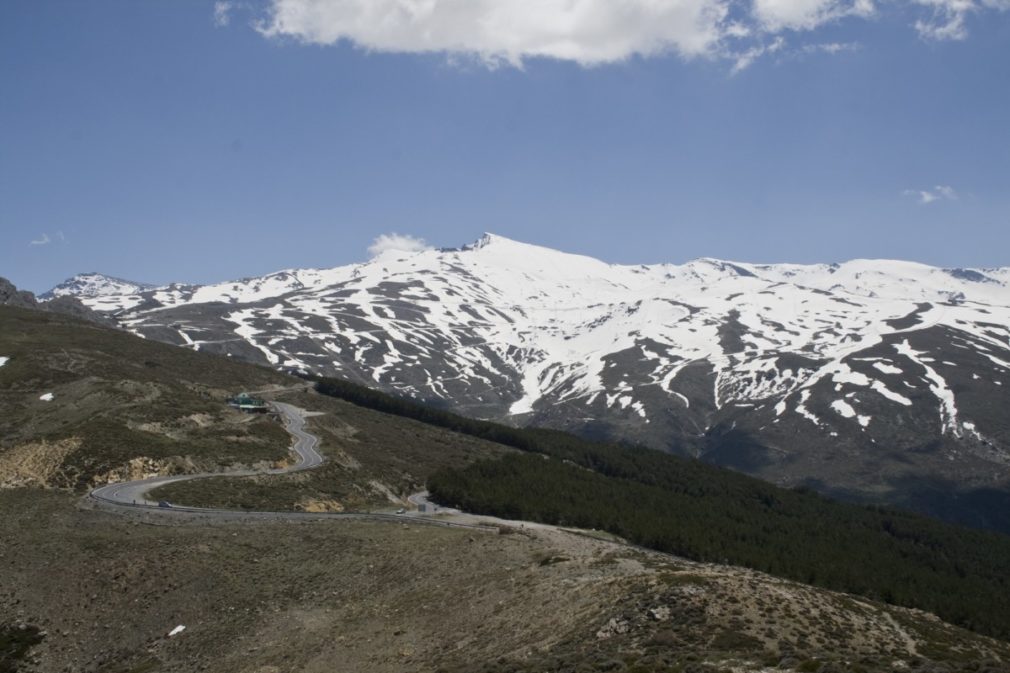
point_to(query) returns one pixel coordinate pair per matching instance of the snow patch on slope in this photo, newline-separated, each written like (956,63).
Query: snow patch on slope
(886,368)
(802,410)
(879,387)
(248,332)
(845,410)
(937,385)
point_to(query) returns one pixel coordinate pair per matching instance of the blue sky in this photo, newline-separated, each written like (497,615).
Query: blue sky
(202,141)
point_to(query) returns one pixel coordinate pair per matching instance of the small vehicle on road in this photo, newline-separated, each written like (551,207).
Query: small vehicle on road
(165,504)
(400,511)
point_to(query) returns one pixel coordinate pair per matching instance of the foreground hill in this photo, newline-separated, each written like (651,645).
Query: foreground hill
(872,380)
(327,596)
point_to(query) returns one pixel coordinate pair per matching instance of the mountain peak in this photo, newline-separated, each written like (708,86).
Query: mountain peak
(488,239)
(94,284)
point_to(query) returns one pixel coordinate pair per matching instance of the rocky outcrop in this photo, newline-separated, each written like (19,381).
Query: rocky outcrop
(11,296)
(143,467)
(37,464)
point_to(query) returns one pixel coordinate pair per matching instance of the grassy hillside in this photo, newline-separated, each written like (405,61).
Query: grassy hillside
(373,461)
(706,513)
(117,398)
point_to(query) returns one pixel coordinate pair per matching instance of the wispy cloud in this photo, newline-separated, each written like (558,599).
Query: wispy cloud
(397,243)
(946,20)
(781,51)
(589,32)
(937,193)
(777,15)
(746,58)
(222,13)
(45,239)
(830,47)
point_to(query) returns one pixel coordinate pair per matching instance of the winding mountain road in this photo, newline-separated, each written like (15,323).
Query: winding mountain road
(135,492)
(132,495)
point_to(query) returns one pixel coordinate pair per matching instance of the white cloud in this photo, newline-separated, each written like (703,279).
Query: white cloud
(776,15)
(927,196)
(946,191)
(222,12)
(947,21)
(587,32)
(396,243)
(746,58)
(831,47)
(45,239)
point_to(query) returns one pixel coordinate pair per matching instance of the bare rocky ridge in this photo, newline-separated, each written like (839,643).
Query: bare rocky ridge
(870,380)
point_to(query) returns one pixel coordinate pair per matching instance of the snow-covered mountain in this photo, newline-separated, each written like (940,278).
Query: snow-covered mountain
(92,285)
(873,379)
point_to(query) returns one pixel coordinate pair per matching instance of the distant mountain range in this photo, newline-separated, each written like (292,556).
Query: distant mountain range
(872,380)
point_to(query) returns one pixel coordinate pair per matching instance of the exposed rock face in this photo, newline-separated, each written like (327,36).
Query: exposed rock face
(143,467)
(319,505)
(11,296)
(37,464)
(659,614)
(613,628)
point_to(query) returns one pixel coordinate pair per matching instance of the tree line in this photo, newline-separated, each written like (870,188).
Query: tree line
(707,513)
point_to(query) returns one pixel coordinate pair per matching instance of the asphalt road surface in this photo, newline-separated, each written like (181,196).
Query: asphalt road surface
(305,442)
